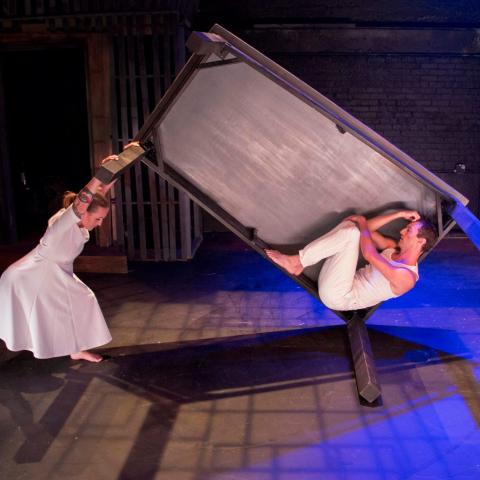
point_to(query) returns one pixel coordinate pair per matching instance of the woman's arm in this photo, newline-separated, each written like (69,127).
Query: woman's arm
(105,187)
(85,196)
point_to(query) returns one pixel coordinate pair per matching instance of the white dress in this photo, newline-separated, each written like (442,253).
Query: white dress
(44,306)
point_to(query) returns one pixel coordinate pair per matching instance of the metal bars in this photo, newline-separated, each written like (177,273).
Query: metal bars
(154,220)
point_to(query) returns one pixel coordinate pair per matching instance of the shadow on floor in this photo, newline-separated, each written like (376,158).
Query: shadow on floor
(171,375)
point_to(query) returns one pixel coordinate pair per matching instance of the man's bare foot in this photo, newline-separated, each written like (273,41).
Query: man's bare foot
(86,355)
(291,263)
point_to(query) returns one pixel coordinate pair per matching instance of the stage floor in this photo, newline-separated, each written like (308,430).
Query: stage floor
(222,368)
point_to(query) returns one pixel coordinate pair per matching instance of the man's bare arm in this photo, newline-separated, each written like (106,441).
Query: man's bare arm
(379,221)
(381,241)
(373,224)
(401,279)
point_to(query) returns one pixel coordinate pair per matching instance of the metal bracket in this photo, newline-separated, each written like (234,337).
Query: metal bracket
(111,170)
(203,43)
(150,151)
(468,222)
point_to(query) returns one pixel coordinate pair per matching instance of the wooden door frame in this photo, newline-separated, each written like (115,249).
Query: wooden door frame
(97,54)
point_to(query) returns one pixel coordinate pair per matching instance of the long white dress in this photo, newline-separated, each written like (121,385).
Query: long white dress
(44,306)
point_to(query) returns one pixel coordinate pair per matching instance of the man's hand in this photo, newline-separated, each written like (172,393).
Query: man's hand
(410,215)
(360,220)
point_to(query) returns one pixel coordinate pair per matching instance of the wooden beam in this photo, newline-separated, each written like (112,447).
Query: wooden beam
(101,264)
(99,109)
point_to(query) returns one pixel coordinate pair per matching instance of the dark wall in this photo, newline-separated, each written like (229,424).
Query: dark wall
(408,69)
(426,11)
(46,131)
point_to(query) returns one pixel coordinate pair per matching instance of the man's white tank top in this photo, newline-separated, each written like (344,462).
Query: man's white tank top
(370,287)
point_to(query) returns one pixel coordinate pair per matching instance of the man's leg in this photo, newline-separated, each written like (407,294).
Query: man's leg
(341,247)
(291,263)
(335,282)
(323,247)
(333,242)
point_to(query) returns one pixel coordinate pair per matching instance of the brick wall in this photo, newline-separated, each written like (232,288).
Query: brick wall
(428,106)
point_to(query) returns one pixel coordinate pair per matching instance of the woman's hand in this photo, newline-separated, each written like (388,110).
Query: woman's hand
(107,159)
(115,157)
(131,144)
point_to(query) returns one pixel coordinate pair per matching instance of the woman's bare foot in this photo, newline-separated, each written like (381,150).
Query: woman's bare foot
(86,355)
(291,263)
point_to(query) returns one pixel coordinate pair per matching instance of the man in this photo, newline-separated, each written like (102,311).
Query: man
(388,274)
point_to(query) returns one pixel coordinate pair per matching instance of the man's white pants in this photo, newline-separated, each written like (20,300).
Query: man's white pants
(340,247)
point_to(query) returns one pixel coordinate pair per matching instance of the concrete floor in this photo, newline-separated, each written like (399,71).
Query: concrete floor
(222,368)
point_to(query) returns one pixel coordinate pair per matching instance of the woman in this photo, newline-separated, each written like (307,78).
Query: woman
(44,306)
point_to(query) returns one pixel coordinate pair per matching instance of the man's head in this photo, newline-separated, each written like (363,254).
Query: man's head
(420,235)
